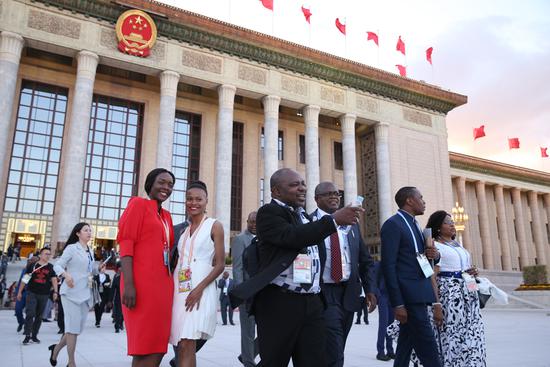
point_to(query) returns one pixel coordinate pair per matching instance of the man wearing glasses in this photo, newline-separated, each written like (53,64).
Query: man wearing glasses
(346,271)
(38,279)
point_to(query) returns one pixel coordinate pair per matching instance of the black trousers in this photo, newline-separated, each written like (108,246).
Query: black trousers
(33,312)
(226,309)
(338,321)
(60,315)
(99,308)
(290,325)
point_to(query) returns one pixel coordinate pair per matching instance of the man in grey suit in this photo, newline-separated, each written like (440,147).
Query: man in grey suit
(248,325)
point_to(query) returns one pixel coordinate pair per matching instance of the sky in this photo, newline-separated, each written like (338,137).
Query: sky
(497,52)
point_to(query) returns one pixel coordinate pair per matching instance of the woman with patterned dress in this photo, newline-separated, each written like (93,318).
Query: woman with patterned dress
(145,237)
(461,335)
(200,261)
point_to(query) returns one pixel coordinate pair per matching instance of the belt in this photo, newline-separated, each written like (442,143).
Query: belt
(339,284)
(450,274)
(288,291)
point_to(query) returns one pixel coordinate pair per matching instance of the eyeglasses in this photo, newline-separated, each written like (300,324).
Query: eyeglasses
(333,194)
(449,222)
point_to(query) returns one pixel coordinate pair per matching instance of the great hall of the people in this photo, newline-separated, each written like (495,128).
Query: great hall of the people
(82,122)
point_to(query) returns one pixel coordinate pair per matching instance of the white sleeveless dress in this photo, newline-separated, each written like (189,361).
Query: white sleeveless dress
(201,323)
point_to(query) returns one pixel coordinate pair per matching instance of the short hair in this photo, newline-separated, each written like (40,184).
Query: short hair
(198,185)
(403,194)
(152,176)
(322,185)
(436,221)
(44,249)
(277,176)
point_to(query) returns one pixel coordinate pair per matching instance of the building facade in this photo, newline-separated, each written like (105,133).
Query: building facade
(82,123)
(509,212)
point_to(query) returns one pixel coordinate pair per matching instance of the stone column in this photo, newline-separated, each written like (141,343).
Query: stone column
(540,243)
(69,199)
(520,229)
(349,157)
(502,228)
(461,197)
(224,154)
(168,90)
(271,141)
(484,230)
(546,198)
(311,120)
(11,45)
(381,135)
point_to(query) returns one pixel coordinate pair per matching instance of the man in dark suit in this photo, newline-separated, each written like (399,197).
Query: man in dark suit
(249,347)
(407,277)
(346,270)
(384,343)
(226,284)
(103,281)
(286,289)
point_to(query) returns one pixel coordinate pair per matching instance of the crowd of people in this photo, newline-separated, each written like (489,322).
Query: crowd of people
(298,281)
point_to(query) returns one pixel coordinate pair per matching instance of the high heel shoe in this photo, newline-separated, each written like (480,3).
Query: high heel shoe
(51,348)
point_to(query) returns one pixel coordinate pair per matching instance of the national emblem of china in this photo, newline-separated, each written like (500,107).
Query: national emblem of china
(136,33)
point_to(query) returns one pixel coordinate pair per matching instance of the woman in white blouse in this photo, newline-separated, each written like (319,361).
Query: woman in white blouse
(76,265)
(462,339)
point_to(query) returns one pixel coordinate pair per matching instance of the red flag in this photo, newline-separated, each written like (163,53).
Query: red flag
(400,46)
(513,143)
(268,4)
(479,132)
(429,55)
(543,152)
(371,36)
(307,14)
(341,27)
(402,70)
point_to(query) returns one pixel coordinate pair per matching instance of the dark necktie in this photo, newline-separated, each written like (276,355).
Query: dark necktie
(335,258)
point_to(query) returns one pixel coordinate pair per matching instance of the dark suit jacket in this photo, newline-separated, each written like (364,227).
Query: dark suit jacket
(174,255)
(221,285)
(361,264)
(404,279)
(106,286)
(281,238)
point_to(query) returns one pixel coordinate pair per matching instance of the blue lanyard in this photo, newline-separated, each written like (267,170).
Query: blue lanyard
(411,230)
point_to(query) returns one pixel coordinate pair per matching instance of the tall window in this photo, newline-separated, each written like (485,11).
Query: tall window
(302,148)
(112,160)
(280,144)
(262,191)
(237,177)
(338,156)
(185,159)
(36,151)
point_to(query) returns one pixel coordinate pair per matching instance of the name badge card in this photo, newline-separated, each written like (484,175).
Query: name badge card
(184,280)
(90,281)
(424,265)
(302,269)
(470,282)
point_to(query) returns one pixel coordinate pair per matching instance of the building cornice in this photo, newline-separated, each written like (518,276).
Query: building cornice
(226,38)
(492,168)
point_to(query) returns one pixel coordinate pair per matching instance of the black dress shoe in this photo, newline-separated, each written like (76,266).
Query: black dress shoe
(391,355)
(383,357)
(53,362)
(35,340)
(232,323)
(27,340)
(61,331)
(117,330)
(357,322)
(20,327)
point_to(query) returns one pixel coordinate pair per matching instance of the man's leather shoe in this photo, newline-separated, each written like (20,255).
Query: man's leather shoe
(391,355)
(383,357)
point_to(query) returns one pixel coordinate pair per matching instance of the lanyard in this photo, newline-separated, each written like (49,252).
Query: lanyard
(90,260)
(459,254)
(411,230)
(40,267)
(192,244)
(166,231)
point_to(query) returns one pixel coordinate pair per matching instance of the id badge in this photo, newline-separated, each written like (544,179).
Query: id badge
(301,268)
(90,281)
(184,280)
(424,265)
(470,282)
(26,279)
(165,256)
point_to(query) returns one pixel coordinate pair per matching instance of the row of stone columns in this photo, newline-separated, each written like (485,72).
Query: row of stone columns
(487,242)
(74,154)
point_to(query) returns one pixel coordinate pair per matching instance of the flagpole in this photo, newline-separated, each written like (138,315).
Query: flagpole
(229,12)
(378,48)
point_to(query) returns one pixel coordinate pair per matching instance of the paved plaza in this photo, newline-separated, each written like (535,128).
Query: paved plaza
(514,338)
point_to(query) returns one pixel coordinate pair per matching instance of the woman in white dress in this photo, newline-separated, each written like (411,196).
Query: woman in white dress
(201,260)
(461,336)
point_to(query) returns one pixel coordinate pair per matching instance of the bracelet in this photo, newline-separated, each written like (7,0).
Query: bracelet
(436,303)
